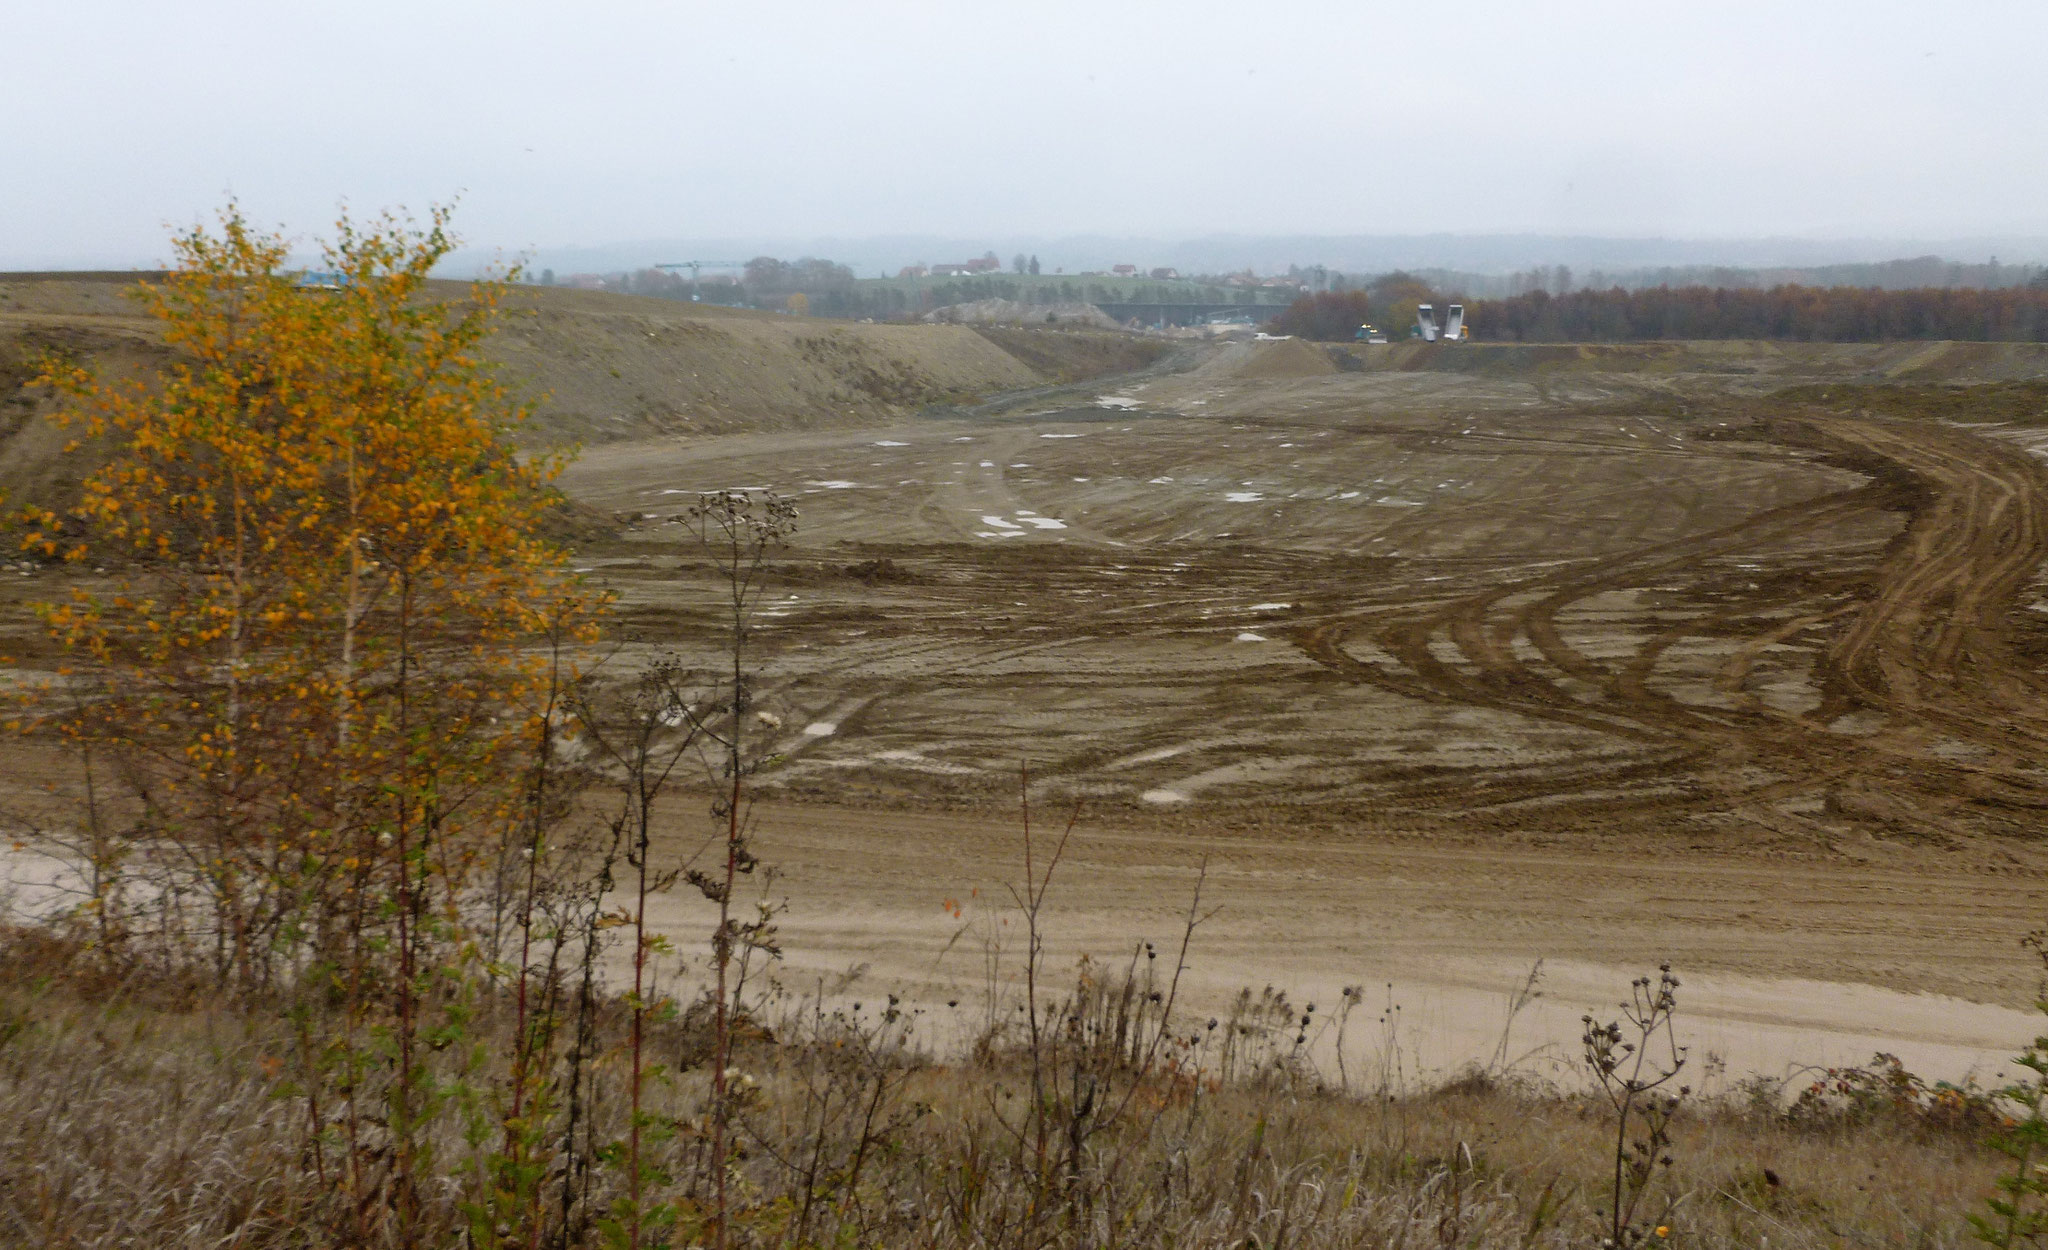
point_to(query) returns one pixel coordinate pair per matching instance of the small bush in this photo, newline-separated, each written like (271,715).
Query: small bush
(1884,1091)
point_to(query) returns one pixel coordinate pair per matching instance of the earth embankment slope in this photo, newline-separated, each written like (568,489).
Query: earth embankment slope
(612,367)
(602,367)
(83,318)
(1290,378)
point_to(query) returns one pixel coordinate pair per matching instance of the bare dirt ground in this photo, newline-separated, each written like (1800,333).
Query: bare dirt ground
(1786,962)
(1443,671)
(1784,625)
(1444,660)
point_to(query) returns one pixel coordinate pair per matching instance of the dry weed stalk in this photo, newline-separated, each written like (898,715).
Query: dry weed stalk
(1633,1066)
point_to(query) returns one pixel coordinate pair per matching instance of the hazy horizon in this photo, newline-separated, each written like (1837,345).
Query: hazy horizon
(1721,130)
(1480,254)
(1225,253)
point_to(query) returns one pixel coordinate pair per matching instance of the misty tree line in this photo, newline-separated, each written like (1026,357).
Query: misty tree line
(1797,313)
(1891,275)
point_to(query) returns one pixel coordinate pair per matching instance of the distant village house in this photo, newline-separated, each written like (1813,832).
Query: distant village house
(980,264)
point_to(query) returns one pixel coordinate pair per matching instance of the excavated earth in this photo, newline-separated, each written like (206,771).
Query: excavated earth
(1442,660)
(1443,664)
(1485,607)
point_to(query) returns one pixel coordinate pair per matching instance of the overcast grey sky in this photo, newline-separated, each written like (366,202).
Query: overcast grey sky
(595,122)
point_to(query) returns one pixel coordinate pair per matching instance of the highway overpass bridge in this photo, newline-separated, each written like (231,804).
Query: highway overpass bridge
(1187,314)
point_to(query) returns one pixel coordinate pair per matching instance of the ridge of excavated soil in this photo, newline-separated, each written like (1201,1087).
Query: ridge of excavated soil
(598,367)
(604,366)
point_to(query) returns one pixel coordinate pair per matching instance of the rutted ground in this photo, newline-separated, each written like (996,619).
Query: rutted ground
(1785,624)
(1449,671)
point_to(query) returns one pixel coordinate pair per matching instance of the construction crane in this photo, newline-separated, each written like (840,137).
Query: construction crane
(694,265)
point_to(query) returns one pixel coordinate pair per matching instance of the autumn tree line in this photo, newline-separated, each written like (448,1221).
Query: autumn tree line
(1785,313)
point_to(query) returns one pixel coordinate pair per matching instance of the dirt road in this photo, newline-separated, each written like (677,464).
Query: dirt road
(1785,961)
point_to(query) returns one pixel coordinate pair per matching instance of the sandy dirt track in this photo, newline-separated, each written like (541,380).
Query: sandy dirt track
(1785,962)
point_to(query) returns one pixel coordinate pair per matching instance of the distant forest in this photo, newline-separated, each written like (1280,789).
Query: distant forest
(1799,313)
(1890,275)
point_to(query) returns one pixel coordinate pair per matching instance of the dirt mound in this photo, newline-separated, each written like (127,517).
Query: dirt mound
(1266,360)
(32,463)
(612,367)
(2022,404)
(599,367)
(1011,312)
(1972,362)
(1076,355)
(604,367)
(91,294)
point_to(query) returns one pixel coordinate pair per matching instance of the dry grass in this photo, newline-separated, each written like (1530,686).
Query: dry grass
(135,1115)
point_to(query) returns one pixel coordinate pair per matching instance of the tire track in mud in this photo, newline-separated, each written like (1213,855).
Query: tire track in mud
(990,618)
(1923,646)
(1646,679)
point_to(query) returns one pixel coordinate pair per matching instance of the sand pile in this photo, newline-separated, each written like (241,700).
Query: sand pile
(1266,360)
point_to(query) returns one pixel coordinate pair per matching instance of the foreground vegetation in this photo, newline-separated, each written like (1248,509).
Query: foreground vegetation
(143,1114)
(362,953)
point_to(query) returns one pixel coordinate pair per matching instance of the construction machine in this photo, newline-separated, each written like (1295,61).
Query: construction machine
(1453,329)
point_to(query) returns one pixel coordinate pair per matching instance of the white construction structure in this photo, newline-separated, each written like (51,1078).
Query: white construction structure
(1452,330)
